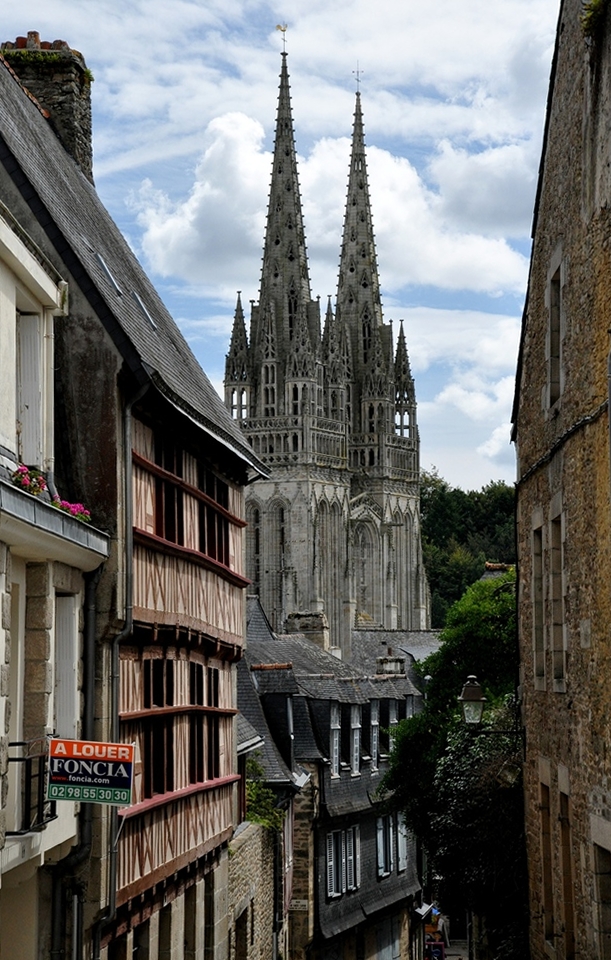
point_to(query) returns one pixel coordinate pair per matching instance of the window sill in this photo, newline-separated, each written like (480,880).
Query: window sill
(163,799)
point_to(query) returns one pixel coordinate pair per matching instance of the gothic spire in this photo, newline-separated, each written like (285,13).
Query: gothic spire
(404,382)
(285,282)
(358,295)
(236,362)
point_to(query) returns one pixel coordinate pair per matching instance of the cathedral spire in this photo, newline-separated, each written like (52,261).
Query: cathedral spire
(285,282)
(237,366)
(358,295)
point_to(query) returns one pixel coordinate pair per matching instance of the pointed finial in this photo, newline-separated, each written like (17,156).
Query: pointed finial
(358,74)
(283,28)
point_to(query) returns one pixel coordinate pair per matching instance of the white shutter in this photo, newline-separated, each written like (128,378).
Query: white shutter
(401,842)
(350,877)
(380,839)
(331,885)
(391,844)
(29,398)
(357,855)
(342,842)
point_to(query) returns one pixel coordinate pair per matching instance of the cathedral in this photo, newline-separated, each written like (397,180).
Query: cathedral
(333,537)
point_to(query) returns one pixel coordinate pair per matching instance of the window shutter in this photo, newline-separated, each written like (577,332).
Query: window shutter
(380,839)
(350,877)
(391,845)
(342,838)
(357,855)
(331,885)
(401,842)
(29,398)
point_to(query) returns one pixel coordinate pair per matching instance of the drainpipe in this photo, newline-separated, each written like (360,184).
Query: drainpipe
(80,853)
(111,910)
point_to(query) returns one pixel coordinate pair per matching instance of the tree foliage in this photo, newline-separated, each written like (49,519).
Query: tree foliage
(460,531)
(461,791)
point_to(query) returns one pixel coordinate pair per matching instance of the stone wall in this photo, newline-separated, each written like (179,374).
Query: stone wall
(251,893)
(564,521)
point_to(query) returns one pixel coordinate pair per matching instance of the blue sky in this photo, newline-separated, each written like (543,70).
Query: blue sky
(453,97)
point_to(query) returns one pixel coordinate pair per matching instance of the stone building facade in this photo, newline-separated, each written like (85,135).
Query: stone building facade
(330,408)
(561,424)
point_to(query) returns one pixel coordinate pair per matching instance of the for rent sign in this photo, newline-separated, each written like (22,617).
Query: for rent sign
(89,771)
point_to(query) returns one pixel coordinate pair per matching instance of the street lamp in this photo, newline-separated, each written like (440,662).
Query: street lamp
(472,702)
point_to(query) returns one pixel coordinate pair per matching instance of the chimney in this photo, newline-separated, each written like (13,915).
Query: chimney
(59,79)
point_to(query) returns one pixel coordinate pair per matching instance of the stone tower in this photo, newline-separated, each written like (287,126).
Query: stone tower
(334,536)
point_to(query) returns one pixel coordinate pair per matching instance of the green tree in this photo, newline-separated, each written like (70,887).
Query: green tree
(460,790)
(460,531)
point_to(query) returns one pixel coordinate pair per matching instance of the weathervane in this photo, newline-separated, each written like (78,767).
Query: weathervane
(358,74)
(282,27)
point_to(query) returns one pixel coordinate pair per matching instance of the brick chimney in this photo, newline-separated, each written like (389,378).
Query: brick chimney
(59,79)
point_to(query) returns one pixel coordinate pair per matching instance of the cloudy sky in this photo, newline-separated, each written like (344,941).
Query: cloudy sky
(453,98)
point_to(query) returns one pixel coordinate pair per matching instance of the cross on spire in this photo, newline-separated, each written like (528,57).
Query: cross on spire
(358,73)
(283,28)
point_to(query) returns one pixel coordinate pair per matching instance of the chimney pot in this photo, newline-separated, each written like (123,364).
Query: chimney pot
(33,41)
(21,43)
(45,45)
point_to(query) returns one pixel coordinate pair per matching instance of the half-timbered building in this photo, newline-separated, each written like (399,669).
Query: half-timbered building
(145,443)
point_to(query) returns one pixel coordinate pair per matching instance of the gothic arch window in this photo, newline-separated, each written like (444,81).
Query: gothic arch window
(234,404)
(295,400)
(366,571)
(295,443)
(353,234)
(371,419)
(371,458)
(362,216)
(277,543)
(364,281)
(289,222)
(334,406)
(277,241)
(253,546)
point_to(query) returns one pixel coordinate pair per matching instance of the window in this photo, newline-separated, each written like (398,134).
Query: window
(158,756)
(546,850)
(374,746)
(335,739)
(355,740)
(567,878)
(557,603)
(30,389)
(178,498)
(537,604)
(402,843)
(393,719)
(385,837)
(343,861)
(65,700)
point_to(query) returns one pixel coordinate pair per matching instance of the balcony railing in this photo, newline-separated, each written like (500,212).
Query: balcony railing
(28,766)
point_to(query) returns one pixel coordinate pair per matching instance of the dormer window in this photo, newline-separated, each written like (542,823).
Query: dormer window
(334,739)
(374,746)
(355,740)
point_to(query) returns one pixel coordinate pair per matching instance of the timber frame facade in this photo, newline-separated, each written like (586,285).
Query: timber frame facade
(141,439)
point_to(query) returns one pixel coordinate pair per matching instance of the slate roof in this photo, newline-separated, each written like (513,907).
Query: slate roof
(276,770)
(368,645)
(91,246)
